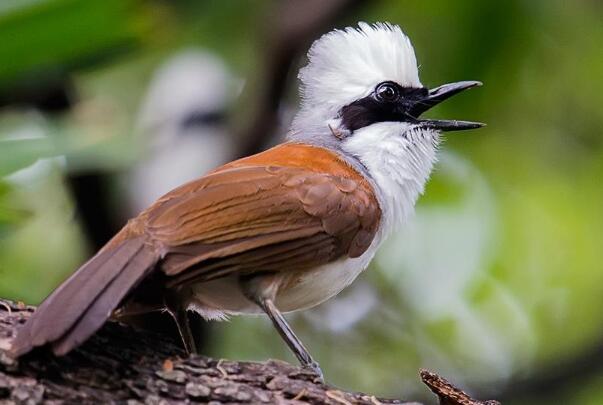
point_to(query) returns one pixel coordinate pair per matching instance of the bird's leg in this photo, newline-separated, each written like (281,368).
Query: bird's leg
(283,328)
(264,298)
(177,311)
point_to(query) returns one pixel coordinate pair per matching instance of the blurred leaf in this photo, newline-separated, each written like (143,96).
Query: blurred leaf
(42,36)
(20,153)
(85,146)
(9,215)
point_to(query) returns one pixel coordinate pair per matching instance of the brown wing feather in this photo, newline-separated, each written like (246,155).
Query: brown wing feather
(255,217)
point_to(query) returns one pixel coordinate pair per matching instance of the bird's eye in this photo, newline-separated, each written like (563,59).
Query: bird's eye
(387,92)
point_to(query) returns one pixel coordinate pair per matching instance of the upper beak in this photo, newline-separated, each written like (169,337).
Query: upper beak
(435,97)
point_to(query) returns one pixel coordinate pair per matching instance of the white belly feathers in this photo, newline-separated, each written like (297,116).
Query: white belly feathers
(219,298)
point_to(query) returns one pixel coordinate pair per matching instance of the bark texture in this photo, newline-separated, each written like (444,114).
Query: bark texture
(123,365)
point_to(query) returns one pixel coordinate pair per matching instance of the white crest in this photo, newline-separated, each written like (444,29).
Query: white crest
(345,65)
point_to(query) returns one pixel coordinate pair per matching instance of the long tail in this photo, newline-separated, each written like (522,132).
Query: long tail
(82,304)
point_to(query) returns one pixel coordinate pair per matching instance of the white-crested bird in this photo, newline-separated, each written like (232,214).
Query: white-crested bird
(282,230)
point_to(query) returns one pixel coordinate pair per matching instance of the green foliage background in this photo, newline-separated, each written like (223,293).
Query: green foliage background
(499,277)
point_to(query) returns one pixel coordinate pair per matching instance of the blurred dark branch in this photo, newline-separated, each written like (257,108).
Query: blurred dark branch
(295,25)
(121,364)
(91,191)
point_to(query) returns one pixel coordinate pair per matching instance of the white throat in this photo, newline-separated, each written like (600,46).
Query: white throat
(399,157)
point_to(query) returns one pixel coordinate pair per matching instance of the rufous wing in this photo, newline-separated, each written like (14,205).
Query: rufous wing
(256,216)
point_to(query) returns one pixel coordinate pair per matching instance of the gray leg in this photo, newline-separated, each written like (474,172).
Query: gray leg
(262,290)
(283,328)
(178,313)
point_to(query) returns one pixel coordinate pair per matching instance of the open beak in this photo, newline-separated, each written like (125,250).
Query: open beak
(435,97)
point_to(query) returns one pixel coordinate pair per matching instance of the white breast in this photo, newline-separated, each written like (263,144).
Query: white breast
(399,156)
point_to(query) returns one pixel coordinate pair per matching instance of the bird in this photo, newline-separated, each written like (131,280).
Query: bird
(282,230)
(183,125)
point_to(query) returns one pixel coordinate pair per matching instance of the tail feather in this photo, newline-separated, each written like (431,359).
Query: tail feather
(100,310)
(64,306)
(80,306)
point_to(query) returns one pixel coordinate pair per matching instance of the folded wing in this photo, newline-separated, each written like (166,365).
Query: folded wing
(260,218)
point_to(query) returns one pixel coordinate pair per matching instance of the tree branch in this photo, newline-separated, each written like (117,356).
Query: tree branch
(122,364)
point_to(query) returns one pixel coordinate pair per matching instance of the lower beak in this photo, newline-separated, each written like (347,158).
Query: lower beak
(435,97)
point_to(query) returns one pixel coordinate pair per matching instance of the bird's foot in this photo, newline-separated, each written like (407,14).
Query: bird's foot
(314,367)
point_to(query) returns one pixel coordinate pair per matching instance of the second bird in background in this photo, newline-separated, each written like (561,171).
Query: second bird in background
(183,124)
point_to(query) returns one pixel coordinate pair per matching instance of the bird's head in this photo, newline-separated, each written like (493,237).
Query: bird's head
(361,95)
(361,76)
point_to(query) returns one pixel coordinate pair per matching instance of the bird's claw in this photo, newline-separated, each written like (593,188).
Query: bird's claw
(314,367)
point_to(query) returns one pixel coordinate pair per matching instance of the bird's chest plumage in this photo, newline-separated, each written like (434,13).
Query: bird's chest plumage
(219,298)
(318,285)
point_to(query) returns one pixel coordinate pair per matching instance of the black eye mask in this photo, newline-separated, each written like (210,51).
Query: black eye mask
(388,102)
(391,102)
